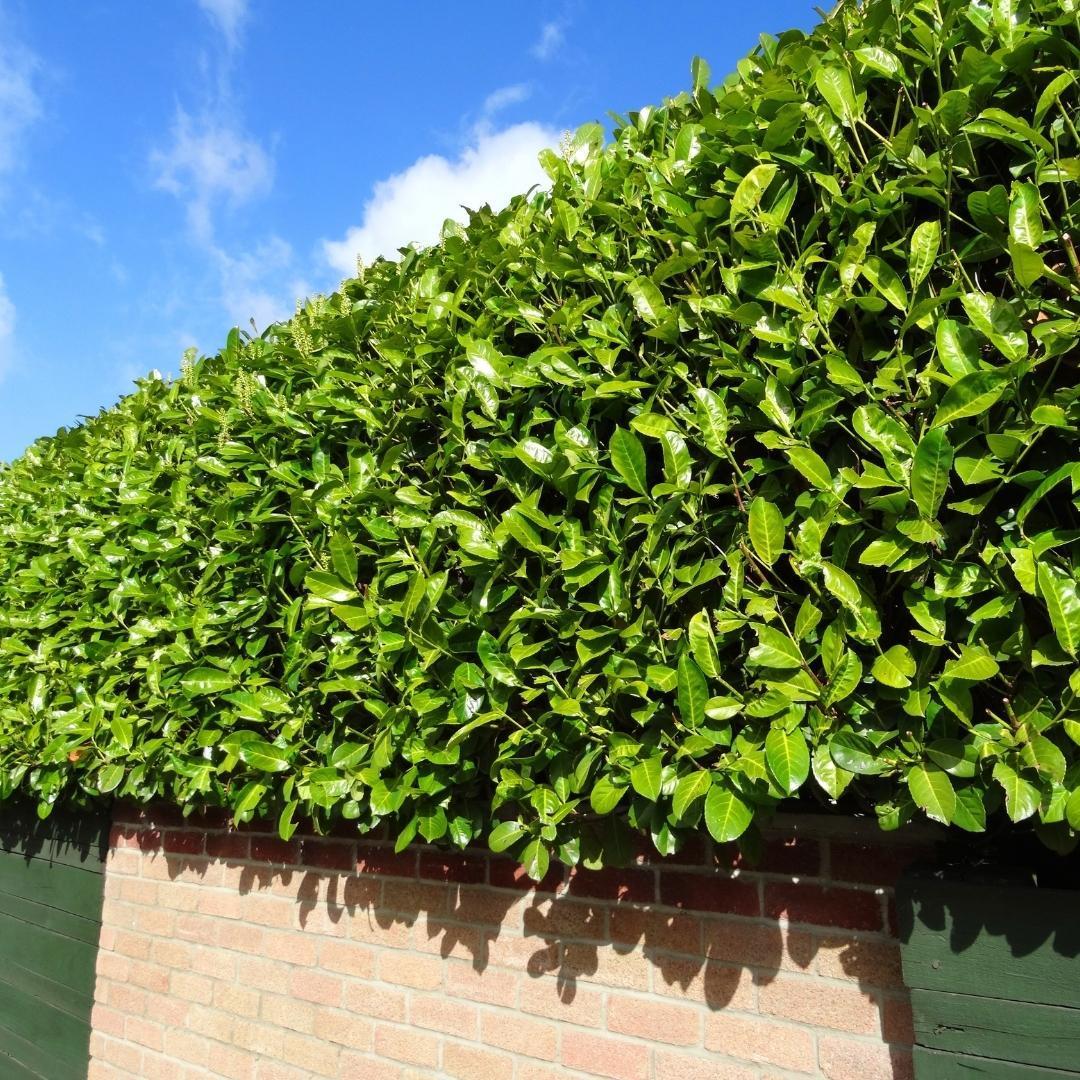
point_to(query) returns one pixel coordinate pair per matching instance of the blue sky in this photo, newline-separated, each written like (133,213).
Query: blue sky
(170,169)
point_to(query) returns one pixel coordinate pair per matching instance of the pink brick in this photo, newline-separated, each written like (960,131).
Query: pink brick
(438,1013)
(823,906)
(508,874)
(315,1056)
(407,1045)
(598,1056)
(672,1065)
(347,957)
(474,1063)
(227,845)
(566,919)
(706,982)
(376,1001)
(567,1003)
(408,969)
(287,1012)
(656,1021)
(273,849)
(491,986)
(669,931)
(331,854)
(768,946)
(765,1042)
(343,1028)
(316,986)
(613,883)
(845,1059)
(376,859)
(521,1035)
(184,843)
(813,1001)
(870,963)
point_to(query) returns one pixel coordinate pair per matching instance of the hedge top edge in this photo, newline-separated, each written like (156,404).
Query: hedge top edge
(739,466)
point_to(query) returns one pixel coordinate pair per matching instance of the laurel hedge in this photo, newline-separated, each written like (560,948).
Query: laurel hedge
(739,466)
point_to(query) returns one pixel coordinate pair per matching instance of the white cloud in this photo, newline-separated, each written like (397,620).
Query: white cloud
(7,330)
(209,161)
(504,97)
(20,105)
(245,289)
(228,16)
(550,39)
(411,206)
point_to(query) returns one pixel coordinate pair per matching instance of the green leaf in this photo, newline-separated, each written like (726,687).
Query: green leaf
(535,859)
(925,243)
(788,758)
(766,530)
(712,419)
(205,680)
(834,85)
(1025,217)
(703,644)
(646,777)
(678,467)
(855,753)
(886,280)
(109,778)
(606,795)
(692,692)
(974,664)
(1021,796)
(832,779)
(930,471)
(690,788)
(932,791)
(774,649)
(812,466)
(328,587)
(700,73)
(494,662)
(628,459)
(894,667)
(1062,598)
(1072,810)
(343,557)
(727,813)
(505,835)
(970,396)
(263,755)
(751,188)
(648,299)
(957,348)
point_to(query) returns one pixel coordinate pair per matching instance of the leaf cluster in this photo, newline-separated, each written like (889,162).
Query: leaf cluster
(739,466)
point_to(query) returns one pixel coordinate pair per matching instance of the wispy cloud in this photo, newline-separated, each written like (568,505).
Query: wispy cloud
(209,161)
(228,16)
(7,330)
(552,35)
(410,206)
(504,98)
(20,104)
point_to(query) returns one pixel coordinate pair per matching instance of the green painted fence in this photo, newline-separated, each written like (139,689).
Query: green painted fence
(994,972)
(51,884)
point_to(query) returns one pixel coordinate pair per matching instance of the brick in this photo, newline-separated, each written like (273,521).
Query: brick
(656,1021)
(227,845)
(316,986)
(704,982)
(822,906)
(529,954)
(377,859)
(195,988)
(378,1002)
(475,1063)
(897,1025)
(519,1034)
(604,967)
(356,1032)
(145,1032)
(331,854)
(709,892)
(764,1042)
(561,918)
(234,1063)
(612,883)
(286,1012)
(872,864)
(487,907)
(411,897)
(408,969)
(668,931)
(107,1021)
(272,849)
(187,1047)
(293,948)
(348,958)
(822,1004)
(508,874)
(490,986)
(236,1000)
(187,842)
(562,1001)
(598,1056)
(796,856)
(442,866)
(149,976)
(314,1056)
(771,947)
(407,1045)
(672,1065)
(210,1022)
(844,1059)
(438,1013)
(871,963)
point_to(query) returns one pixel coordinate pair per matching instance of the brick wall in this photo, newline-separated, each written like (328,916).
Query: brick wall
(233,954)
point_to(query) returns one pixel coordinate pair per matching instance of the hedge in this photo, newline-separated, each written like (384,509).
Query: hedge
(738,467)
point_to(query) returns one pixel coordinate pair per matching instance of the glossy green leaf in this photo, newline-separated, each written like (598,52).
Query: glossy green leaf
(727,813)
(933,792)
(766,526)
(788,758)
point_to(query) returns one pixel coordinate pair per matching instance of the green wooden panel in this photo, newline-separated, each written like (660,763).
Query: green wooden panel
(51,884)
(1020,1031)
(941,1065)
(995,940)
